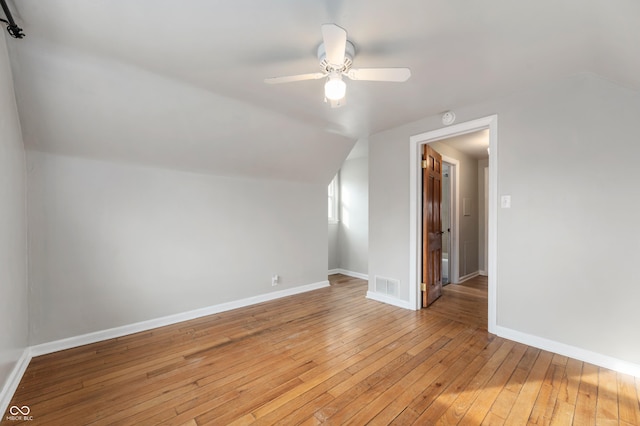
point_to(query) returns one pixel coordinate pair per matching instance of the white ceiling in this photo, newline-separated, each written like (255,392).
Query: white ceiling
(474,144)
(180,83)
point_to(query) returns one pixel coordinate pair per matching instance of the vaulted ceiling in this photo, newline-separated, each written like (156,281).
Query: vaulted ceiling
(179,84)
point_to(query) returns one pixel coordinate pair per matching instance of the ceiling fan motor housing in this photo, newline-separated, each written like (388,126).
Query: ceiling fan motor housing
(348,58)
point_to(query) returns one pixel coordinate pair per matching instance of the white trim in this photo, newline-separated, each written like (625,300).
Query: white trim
(491,123)
(467,277)
(492,252)
(485,201)
(11,385)
(12,382)
(19,369)
(85,339)
(580,354)
(378,297)
(349,273)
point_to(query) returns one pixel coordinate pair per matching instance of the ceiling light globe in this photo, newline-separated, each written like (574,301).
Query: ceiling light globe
(335,89)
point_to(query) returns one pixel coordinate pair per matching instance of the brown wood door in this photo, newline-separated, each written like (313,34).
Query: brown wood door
(431,225)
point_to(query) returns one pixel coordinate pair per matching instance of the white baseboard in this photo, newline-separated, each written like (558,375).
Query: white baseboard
(379,297)
(348,273)
(13,380)
(71,342)
(580,354)
(468,277)
(85,339)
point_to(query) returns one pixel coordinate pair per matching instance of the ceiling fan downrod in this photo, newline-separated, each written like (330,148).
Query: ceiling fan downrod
(13,29)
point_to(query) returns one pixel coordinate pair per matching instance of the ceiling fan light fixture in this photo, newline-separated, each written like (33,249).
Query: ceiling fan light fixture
(335,88)
(335,55)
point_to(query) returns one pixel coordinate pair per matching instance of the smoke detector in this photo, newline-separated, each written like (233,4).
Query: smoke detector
(448,118)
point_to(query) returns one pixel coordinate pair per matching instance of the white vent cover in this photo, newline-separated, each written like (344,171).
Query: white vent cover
(387,286)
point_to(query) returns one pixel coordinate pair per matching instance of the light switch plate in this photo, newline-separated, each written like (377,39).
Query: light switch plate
(505,201)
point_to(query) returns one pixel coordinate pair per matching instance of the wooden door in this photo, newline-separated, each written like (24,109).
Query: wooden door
(431,225)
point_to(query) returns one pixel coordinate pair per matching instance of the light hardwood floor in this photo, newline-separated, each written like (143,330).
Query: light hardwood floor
(328,356)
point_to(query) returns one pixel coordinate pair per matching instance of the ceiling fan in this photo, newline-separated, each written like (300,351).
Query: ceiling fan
(336,56)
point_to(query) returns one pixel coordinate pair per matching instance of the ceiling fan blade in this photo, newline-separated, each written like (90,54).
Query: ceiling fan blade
(379,74)
(292,78)
(335,44)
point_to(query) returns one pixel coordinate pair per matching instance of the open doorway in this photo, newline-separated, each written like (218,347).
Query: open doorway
(446,222)
(416,143)
(465,158)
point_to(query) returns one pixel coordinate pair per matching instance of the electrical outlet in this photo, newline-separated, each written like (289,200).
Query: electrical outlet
(274,280)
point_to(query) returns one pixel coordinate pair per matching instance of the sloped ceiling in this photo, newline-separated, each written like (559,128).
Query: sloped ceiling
(179,84)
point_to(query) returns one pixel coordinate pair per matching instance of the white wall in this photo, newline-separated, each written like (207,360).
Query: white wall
(333,227)
(353,232)
(115,244)
(568,247)
(13,236)
(334,260)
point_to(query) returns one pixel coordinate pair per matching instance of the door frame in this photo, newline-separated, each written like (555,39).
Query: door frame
(485,206)
(415,189)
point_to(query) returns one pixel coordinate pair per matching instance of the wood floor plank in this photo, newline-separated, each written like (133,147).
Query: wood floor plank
(607,408)
(437,398)
(629,406)
(586,402)
(569,388)
(384,389)
(492,420)
(489,393)
(329,356)
(385,392)
(525,401)
(300,404)
(509,393)
(461,401)
(562,414)
(546,401)
(426,374)
(382,358)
